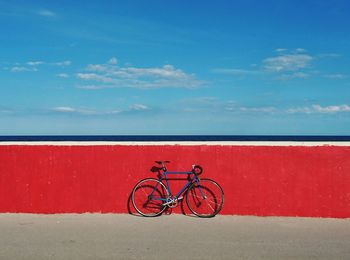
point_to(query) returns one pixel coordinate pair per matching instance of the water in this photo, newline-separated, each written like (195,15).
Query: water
(173,138)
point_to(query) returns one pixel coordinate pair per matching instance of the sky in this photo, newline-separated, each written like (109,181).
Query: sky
(175,67)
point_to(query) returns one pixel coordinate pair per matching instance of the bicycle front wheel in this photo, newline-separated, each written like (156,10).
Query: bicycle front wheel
(148,197)
(205,199)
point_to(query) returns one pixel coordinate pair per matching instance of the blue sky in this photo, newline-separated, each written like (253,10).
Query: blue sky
(175,67)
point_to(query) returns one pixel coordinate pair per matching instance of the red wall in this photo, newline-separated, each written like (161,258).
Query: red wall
(257,180)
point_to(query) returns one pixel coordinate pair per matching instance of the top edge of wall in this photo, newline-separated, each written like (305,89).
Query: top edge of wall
(184,143)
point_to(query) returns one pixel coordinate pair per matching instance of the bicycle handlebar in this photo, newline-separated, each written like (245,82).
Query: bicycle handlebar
(196,169)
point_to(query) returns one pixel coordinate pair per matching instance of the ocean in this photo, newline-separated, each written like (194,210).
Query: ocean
(172,138)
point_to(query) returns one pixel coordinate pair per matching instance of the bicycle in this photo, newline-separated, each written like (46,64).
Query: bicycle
(204,197)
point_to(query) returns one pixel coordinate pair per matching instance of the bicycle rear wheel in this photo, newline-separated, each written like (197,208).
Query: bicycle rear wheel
(205,199)
(148,197)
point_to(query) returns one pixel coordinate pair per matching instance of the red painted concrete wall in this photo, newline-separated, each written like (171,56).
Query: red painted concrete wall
(257,180)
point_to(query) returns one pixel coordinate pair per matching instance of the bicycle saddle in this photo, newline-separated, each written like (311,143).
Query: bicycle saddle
(161,162)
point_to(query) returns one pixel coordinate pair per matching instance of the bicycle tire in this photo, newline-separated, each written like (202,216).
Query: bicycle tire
(142,199)
(205,199)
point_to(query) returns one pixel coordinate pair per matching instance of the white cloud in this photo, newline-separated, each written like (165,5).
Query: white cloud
(215,105)
(94,112)
(95,77)
(34,63)
(233,107)
(296,75)
(258,109)
(62,63)
(236,72)
(203,104)
(80,111)
(97,67)
(287,62)
(280,50)
(59,64)
(329,55)
(46,13)
(134,77)
(63,75)
(297,110)
(22,69)
(286,65)
(300,50)
(331,109)
(320,109)
(167,71)
(113,61)
(336,76)
(64,109)
(297,50)
(202,100)
(138,107)
(94,87)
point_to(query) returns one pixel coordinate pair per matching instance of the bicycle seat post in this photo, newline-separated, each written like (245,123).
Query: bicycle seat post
(164,167)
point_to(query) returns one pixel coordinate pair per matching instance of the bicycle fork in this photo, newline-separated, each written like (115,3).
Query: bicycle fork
(204,197)
(200,189)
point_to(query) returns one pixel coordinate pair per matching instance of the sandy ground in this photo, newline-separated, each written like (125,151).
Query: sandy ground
(112,236)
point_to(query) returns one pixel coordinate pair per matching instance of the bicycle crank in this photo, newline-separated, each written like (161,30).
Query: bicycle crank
(171,203)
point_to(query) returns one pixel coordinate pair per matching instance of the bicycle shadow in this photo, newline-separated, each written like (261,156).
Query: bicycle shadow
(133,212)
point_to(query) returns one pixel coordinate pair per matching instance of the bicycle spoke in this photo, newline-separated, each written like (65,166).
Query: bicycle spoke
(148,196)
(205,199)
(208,200)
(144,192)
